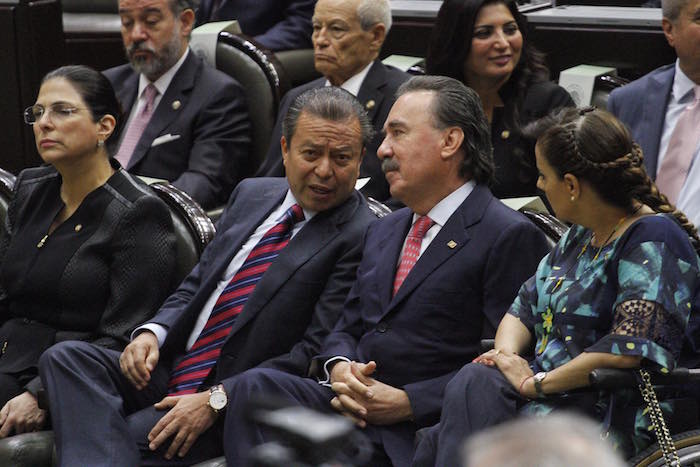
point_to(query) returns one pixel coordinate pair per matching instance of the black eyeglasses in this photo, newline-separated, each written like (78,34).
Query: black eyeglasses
(58,111)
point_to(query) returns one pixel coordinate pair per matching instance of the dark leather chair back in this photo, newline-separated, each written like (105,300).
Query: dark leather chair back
(297,66)
(7,182)
(552,227)
(193,228)
(256,70)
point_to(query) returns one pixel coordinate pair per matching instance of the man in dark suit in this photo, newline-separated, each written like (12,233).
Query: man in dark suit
(102,402)
(652,105)
(193,130)
(347,38)
(419,307)
(277,25)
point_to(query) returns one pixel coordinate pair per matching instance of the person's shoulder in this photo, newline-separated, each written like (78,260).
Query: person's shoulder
(34,175)
(118,73)
(639,84)
(660,229)
(129,190)
(394,75)
(548,95)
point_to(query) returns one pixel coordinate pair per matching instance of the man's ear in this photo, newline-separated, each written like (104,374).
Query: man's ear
(668,29)
(452,139)
(285,150)
(186,19)
(378,32)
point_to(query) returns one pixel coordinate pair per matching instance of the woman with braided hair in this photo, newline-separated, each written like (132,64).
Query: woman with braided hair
(615,292)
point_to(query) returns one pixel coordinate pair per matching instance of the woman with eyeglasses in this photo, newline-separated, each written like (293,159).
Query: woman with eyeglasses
(483,43)
(87,250)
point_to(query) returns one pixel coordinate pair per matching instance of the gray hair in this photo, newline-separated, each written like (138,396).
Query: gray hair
(671,9)
(561,439)
(454,104)
(371,12)
(178,6)
(329,103)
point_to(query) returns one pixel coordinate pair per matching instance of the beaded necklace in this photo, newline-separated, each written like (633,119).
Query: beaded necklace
(548,317)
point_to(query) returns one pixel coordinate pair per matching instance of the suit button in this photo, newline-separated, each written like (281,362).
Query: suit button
(382,327)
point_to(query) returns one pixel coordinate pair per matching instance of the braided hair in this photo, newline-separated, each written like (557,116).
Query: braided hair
(594,146)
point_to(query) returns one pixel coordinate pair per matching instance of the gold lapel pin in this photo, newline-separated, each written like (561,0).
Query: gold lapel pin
(78,227)
(176,105)
(370,104)
(505,134)
(452,244)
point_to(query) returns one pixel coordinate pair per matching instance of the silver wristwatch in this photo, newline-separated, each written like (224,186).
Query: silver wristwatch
(537,379)
(217,398)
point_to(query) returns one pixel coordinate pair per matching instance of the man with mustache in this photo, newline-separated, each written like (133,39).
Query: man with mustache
(435,278)
(347,37)
(187,122)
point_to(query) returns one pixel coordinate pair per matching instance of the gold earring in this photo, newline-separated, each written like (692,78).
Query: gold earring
(100,143)
(572,198)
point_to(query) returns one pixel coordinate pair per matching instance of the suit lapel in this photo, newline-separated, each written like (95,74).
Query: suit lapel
(453,236)
(370,95)
(230,242)
(657,94)
(310,240)
(178,90)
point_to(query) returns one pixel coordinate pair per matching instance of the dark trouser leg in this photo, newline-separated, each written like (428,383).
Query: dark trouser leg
(240,435)
(208,444)
(476,398)
(89,400)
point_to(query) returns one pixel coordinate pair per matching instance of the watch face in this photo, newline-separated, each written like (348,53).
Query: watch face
(540,376)
(217,400)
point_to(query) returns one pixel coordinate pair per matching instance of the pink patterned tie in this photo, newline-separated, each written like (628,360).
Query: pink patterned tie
(136,127)
(681,147)
(411,250)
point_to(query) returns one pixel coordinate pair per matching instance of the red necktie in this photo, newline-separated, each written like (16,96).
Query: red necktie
(411,250)
(136,127)
(196,364)
(681,147)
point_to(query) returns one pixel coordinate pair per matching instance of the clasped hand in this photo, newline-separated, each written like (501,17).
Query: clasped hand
(363,399)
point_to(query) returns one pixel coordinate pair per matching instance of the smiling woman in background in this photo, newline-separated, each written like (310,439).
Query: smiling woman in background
(87,250)
(483,43)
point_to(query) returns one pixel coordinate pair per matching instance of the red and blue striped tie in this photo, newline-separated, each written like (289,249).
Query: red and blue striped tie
(196,364)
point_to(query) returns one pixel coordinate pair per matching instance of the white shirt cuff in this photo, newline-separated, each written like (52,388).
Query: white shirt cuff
(160,331)
(327,381)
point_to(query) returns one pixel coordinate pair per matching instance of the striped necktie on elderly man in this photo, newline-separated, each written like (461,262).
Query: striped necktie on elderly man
(684,140)
(195,365)
(136,126)
(411,251)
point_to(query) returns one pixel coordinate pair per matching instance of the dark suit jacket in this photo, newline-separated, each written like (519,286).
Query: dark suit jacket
(210,156)
(85,282)
(456,294)
(641,105)
(276,24)
(377,95)
(297,301)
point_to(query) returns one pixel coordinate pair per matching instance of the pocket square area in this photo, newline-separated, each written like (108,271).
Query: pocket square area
(164,139)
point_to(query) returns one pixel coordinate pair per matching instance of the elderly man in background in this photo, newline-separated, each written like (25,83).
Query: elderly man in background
(435,278)
(662,110)
(266,291)
(347,37)
(187,122)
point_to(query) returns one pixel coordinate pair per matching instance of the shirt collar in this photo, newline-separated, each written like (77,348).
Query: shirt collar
(682,85)
(353,84)
(442,211)
(163,82)
(290,200)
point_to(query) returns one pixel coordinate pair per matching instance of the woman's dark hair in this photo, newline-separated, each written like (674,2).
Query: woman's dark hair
(595,146)
(94,88)
(450,45)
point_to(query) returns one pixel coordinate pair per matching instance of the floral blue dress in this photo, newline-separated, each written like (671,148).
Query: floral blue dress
(632,297)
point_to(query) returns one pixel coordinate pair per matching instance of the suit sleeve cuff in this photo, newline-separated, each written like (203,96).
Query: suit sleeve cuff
(160,332)
(328,365)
